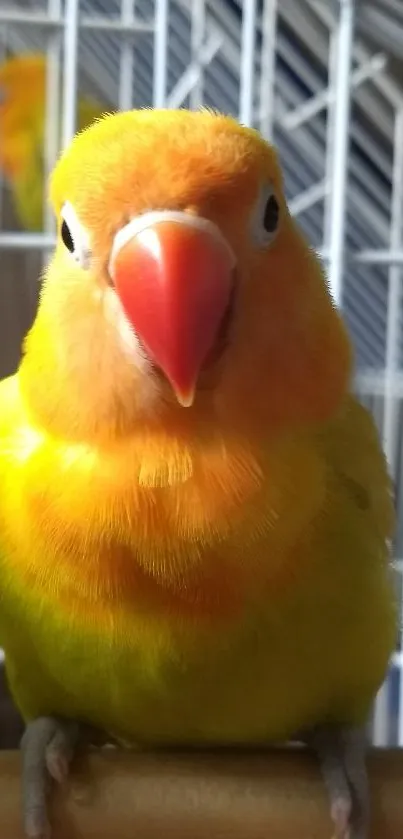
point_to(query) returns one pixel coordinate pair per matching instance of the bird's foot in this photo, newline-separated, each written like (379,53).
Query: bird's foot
(341,753)
(48,746)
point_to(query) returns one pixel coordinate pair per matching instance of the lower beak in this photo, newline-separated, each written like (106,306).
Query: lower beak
(174,277)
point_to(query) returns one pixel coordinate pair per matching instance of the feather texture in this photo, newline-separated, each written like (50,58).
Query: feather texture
(214,574)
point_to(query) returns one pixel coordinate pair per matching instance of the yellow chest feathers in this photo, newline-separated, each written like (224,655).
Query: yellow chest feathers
(156,513)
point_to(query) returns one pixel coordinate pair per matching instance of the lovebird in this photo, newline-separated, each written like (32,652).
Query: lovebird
(196,513)
(22,133)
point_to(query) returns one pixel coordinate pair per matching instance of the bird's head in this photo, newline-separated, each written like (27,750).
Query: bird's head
(22,101)
(180,283)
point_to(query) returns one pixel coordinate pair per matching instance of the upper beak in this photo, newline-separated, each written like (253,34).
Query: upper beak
(173,273)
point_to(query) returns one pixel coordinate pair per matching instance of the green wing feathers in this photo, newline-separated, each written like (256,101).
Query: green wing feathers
(360,471)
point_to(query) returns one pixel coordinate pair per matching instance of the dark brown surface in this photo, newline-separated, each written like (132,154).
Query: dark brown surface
(19,288)
(11,726)
(116,795)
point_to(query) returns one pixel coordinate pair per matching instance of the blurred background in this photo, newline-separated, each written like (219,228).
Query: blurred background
(323,79)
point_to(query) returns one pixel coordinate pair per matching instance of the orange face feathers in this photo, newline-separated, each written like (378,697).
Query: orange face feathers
(198,282)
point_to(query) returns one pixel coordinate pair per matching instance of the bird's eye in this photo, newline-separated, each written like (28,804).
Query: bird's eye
(266,216)
(74,236)
(67,237)
(271,214)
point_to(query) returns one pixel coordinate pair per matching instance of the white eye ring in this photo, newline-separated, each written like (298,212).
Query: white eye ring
(74,236)
(266,216)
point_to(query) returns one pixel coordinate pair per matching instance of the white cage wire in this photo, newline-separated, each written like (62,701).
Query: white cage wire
(318,77)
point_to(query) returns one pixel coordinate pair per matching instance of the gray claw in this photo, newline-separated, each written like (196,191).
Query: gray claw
(47,748)
(341,753)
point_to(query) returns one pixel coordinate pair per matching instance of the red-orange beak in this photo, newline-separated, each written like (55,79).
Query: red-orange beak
(173,273)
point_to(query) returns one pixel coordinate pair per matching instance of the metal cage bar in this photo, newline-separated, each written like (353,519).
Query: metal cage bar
(337,205)
(95,22)
(198,26)
(126,68)
(393,334)
(160,52)
(267,69)
(52,111)
(70,71)
(246,94)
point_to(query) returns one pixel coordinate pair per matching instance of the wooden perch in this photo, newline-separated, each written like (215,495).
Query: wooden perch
(129,795)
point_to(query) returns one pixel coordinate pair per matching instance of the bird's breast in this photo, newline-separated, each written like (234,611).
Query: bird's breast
(186,526)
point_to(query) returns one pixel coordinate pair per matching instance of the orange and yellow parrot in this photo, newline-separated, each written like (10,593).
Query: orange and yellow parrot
(22,132)
(195,510)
